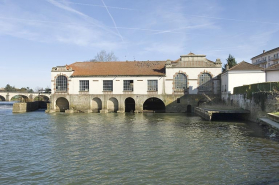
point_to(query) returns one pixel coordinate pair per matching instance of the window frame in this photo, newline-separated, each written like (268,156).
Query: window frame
(128,85)
(152,85)
(180,84)
(84,85)
(203,87)
(108,85)
(61,83)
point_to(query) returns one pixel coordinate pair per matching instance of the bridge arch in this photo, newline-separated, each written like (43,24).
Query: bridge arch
(96,104)
(112,105)
(41,98)
(2,98)
(154,104)
(130,105)
(20,98)
(62,104)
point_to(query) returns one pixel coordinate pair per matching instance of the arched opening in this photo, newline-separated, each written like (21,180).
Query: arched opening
(130,105)
(154,105)
(61,83)
(20,98)
(2,98)
(205,83)
(42,100)
(180,82)
(96,105)
(189,108)
(112,105)
(62,104)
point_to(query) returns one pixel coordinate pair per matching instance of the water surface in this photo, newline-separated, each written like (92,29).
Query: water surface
(40,148)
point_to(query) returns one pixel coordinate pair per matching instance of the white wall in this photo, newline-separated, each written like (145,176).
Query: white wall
(96,84)
(272,76)
(192,73)
(239,78)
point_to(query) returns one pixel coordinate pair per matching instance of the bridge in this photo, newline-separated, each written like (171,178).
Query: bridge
(24,97)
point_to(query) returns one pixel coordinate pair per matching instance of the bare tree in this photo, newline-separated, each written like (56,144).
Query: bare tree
(104,56)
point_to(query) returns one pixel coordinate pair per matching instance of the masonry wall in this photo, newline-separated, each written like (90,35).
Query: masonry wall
(260,104)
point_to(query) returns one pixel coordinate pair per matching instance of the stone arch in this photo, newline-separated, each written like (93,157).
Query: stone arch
(20,98)
(41,98)
(112,105)
(206,87)
(62,104)
(130,105)
(184,91)
(2,98)
(154,104)
(56,88)
(96,104)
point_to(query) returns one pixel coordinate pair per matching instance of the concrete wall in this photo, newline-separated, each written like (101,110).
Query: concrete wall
(25,107)
(260,104)
(272,76)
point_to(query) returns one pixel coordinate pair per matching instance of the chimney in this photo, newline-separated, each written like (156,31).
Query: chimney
(263,51)
(227,67)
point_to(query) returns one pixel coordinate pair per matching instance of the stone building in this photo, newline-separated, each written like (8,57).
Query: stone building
(267,58)
(161,86)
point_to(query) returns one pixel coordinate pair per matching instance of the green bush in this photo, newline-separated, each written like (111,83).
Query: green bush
(260,87)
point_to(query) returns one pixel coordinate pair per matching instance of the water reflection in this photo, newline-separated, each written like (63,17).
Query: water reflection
(133,149)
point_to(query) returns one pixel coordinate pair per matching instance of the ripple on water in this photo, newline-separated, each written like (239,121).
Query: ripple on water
(133,149)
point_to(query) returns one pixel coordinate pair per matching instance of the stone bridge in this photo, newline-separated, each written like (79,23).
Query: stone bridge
(127,102)
(24,97)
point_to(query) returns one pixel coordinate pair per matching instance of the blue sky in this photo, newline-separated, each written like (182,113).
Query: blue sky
(36,35)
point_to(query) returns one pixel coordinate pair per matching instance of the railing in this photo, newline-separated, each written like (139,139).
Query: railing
(259,62)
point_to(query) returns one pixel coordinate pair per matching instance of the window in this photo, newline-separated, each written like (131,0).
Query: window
(84,85)
(180,81)
(205,82)
(178,100)
(107,85)
(152,85)
(61,83)
(128,85)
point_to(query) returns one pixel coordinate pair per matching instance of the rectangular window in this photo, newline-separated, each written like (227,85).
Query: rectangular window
(84,85)
(128,85)
(178,100)
(152,85)
(107,85)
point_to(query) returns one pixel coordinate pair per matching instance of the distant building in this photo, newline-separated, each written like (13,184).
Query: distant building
(241,74)
(267,58)
(114,86)
(272,73)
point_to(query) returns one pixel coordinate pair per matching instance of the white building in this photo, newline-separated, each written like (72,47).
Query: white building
(267,58)
(272,73)
(92,85)
(241,74)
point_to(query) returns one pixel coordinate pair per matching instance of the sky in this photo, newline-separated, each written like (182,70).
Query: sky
(36,35)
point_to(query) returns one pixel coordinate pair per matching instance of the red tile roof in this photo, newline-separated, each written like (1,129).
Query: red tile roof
(136,68)
(245,66)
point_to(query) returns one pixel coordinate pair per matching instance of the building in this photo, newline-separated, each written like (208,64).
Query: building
(241,74)
(267,58)
(272,73)
(134,85)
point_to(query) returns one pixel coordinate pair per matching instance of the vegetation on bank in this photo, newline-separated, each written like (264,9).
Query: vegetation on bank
(259,87)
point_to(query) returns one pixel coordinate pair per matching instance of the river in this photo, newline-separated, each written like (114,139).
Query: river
(59,148)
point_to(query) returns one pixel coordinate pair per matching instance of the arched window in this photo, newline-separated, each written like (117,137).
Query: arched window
(205,82)
(61,83)
(180,82)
